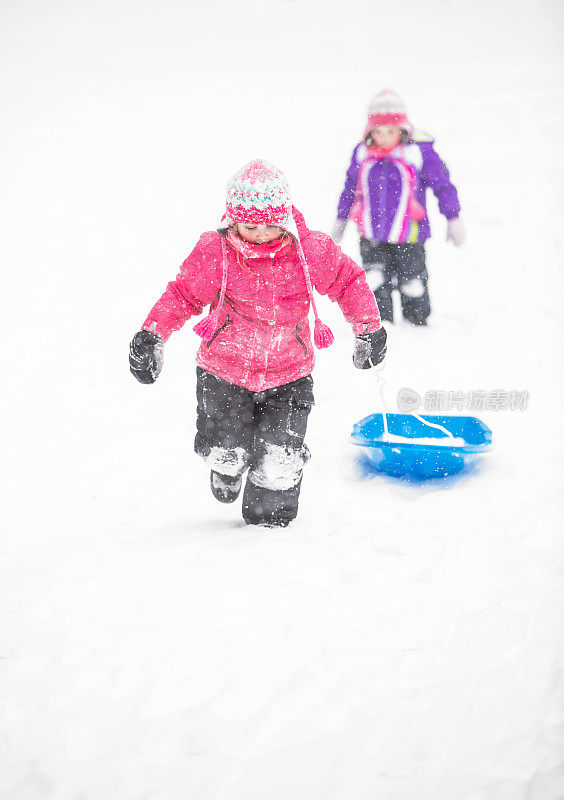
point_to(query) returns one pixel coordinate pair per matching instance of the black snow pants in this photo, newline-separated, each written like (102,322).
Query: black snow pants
(260,431)
(399,266)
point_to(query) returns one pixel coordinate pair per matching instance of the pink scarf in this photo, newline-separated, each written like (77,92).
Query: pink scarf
(248,250)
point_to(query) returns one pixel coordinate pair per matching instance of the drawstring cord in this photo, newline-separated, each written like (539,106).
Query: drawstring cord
(207,326)
(322,334)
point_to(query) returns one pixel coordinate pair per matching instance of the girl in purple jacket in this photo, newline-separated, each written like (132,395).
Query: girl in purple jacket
(385,195)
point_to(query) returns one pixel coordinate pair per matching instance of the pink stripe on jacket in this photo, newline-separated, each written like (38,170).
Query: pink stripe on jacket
(263,336)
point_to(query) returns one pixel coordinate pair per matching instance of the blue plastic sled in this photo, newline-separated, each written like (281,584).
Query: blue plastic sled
(419,459)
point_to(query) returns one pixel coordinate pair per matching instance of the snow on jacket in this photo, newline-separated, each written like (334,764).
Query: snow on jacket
(382,191)
(263,335)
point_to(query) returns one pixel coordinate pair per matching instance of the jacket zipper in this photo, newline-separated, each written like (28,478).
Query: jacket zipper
(299,338)
(226,322)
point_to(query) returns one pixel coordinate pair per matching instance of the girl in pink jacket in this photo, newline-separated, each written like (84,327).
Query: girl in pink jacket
(254,386)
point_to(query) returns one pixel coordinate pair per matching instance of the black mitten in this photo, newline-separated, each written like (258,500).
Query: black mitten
(369,349)
(146,356)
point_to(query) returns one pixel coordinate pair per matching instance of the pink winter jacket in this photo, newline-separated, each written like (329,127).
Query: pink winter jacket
(263,336)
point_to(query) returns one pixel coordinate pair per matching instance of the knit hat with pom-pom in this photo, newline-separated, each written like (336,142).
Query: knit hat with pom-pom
(387,108)
(258,194)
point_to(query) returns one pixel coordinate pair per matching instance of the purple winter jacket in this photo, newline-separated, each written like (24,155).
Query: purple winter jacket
(382,189)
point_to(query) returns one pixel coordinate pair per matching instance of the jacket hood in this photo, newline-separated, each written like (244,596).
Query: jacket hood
(301,226)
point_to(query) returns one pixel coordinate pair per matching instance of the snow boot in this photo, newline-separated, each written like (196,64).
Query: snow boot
(225,488)
(270,508)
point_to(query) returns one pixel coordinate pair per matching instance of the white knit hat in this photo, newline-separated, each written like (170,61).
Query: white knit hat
(258,194)
(387,108)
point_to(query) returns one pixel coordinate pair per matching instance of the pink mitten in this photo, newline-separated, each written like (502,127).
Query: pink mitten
(338,230)
(455,231)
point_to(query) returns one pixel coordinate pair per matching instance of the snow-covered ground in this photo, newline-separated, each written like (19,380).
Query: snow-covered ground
(398,641)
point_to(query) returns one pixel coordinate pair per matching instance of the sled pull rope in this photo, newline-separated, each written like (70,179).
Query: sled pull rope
(381,384)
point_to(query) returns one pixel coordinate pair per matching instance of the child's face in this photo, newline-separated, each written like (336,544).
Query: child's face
(386,137)
(259,234)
